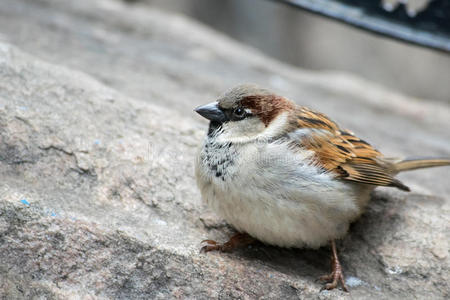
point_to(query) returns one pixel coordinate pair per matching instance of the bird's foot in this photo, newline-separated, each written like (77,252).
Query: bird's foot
(214,246)
(333,280)
(336,275)
(236,241)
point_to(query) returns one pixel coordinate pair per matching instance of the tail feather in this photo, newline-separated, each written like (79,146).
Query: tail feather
(419,163)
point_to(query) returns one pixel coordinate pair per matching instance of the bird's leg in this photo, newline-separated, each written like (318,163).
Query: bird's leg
(336,271)
(236,241)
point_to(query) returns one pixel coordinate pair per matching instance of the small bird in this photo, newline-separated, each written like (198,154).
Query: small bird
(286,175)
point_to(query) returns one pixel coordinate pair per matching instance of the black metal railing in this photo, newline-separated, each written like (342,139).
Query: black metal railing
(428,26)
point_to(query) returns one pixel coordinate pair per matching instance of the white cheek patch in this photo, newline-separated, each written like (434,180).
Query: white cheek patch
(241,131)
(251,129)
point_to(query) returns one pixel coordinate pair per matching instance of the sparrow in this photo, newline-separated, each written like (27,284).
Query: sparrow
(286,175)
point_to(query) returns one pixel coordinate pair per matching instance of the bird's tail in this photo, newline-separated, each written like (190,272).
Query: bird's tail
(419,163)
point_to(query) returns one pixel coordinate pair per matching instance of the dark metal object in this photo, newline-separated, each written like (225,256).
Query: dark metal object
(429,28)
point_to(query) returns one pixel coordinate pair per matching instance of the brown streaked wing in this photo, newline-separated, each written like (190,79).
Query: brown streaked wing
(340,152)
(307,118)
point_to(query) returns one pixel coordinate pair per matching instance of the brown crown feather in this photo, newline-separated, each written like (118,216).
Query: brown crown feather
(267,107)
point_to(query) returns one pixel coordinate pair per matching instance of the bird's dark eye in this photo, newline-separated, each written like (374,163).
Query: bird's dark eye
(239,112)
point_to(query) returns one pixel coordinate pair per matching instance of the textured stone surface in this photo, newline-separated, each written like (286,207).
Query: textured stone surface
(97,195)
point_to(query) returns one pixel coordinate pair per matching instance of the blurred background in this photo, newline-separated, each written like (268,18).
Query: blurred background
(317,43)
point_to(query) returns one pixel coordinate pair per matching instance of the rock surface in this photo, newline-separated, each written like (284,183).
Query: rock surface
(97,142)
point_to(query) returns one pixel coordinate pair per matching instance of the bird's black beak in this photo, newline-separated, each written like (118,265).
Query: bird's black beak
(211,112)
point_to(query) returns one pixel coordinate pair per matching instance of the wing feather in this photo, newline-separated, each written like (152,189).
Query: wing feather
(341,152)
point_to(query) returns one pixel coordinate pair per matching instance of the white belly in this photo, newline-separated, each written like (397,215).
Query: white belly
(280,199)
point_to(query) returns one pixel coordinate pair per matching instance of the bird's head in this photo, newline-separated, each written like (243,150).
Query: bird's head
(247,113)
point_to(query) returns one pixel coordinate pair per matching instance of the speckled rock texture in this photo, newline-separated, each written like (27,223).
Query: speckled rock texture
(97,143)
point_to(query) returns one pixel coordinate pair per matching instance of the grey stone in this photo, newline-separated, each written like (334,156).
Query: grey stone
(97,143)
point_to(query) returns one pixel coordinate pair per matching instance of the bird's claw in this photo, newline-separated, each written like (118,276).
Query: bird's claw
(236,241)
(335,277)
(211,246)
